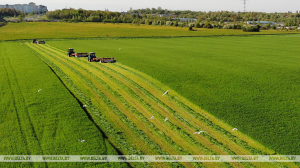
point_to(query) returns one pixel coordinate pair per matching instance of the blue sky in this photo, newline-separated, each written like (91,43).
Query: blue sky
(193,5)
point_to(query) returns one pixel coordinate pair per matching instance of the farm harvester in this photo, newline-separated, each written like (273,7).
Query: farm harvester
(92,57)
(71,53)
(34,41)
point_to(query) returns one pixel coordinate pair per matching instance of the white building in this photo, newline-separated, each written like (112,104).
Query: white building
(28,8)
(185,19)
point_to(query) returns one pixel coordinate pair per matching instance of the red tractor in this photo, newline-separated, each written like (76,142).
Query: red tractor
(92,57)
(34,41)
(72,53)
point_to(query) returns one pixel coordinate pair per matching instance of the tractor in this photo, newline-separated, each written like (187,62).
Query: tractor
(34,41)
(71,53)
(92,57)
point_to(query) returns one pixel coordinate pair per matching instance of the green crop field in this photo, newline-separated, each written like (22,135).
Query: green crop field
(249,82)
(216,83)
(122,100)
(29,30)
(39,116)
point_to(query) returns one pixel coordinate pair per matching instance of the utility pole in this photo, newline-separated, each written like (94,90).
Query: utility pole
(244,5)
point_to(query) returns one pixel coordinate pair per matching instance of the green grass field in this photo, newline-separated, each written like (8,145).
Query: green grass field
(122,100)
(249,82)
(215,83)
(42,122)
(49,30)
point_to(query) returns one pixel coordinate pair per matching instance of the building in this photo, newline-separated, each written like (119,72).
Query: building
(185,19)
(261,22)
(28,8)
(162,15)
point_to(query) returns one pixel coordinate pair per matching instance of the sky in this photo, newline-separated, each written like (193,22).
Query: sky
(269,6)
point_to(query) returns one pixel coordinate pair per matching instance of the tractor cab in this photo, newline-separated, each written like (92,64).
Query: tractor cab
(70,52)
(91,56)
(34,41)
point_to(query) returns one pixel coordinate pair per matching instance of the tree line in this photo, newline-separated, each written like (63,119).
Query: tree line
(80,15)
(226,16)
(8,12)
(159,16)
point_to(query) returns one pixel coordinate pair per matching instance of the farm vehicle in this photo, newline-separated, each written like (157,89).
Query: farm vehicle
(92,57)
(71,53)
(34,41)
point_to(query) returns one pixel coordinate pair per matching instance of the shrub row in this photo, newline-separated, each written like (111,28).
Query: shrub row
(251,28)
(3,24)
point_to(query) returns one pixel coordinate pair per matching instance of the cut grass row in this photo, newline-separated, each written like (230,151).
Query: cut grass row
(138,104)
(55,30)
(117,126)
(48,122)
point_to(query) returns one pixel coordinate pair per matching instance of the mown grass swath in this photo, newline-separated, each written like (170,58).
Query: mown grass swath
(39,116)
(126,99)
(250,82)
(56,30)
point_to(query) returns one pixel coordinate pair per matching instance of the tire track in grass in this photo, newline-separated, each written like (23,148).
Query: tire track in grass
(22,101)
(12,138)
(25,124)
(88,84)
(15,109)
(31,133)
(136,120)
(10,123)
